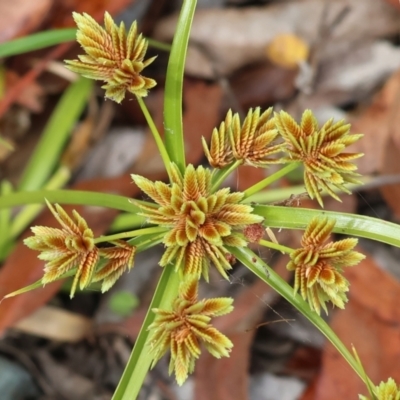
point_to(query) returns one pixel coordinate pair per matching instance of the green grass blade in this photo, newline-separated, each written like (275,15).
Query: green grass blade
(41,40)
(5,221)
(57,131)
(36,41)
(173,127)
(349,224)
(69,197)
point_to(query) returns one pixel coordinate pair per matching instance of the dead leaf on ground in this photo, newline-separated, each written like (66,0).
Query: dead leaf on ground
(381,142)
(370,322)
(20,17)
(234,37)
(56,324)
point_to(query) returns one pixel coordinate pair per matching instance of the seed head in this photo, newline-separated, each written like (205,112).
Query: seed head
(385,391)
(119,259)
(201,223)
(251,143)
(187,325)
(112,56)
(317,265)
(321,151)
(66,248)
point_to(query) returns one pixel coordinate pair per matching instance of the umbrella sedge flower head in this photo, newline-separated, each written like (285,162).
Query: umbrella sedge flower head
(119,259)
(317,265)
(250,143)
(67,248)
(321,152)
(186,326)
(112,56)
(72,247)
(200,223)
(385,391)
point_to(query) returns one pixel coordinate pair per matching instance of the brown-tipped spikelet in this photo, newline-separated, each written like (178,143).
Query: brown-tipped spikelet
(320,150)
(250,143)
(66,248)
(201,223)
(317,265)
(219,154)
(385,391)
(185,327)
(112,56)
(119,259)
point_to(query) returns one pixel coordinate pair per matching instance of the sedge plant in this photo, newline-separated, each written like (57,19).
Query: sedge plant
(202,224)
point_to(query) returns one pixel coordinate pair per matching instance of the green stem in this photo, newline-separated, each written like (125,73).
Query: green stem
(275,246)
(159,45)
(221,174)
(270,179)
(156,135)
(173,123)
(131,234)
(140,360)
(269,276)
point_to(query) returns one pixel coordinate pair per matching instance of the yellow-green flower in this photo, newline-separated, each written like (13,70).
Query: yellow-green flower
(185,327)
(73,247)
(66,248)
(251,143)
(385,391)
(201,223)
(317,265)
(112,56)
(119,259)
(321,150)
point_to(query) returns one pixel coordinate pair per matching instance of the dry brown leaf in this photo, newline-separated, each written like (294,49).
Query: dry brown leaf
(19,17)
(370,322)
(55,324)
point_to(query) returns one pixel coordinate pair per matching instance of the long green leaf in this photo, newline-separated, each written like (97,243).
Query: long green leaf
(47,152)
(37,41)
(173,126)
(41,40)
(349,224)
(68,197)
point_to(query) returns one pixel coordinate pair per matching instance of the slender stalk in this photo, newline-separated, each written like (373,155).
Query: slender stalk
(131,234)
(270,179)
(222,174)
(159,45)
(156,135)
(275,246)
